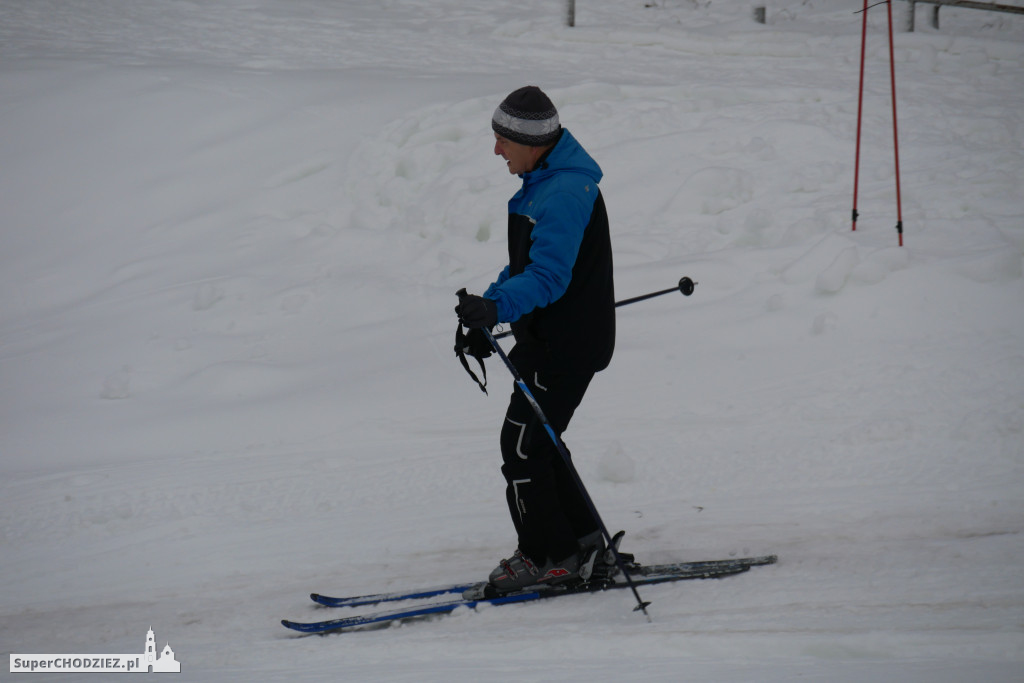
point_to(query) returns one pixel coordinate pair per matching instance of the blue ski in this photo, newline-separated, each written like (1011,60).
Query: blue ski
(460,588)
(647,576)
(408,613)
(374,599)
(730,563)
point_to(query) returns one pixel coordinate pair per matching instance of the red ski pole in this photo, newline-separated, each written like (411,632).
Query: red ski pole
(860,110)
(895,136)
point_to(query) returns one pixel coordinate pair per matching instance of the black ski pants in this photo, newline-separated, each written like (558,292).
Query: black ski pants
(547,507)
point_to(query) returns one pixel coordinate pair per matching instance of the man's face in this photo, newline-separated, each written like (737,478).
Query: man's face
(520,158)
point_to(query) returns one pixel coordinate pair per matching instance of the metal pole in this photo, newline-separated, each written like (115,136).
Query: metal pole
(685,286)
(895,134)
(860,110)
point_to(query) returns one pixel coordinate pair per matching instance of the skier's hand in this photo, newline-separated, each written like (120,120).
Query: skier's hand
(474,343)
(475,311)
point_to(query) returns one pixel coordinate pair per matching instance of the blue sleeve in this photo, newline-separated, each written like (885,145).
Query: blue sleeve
(502,276)
(556,238)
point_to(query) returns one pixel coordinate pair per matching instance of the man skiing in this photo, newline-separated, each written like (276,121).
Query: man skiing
(557,292)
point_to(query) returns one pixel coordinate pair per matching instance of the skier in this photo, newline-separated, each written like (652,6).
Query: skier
(557,293)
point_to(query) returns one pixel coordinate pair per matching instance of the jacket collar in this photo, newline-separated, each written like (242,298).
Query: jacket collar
(566,155)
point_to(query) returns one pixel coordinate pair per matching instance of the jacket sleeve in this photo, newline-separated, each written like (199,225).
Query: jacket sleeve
(556,238)
(502,276)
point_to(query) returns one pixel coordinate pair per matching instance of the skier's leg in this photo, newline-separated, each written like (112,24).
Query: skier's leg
(531,485)
(546,505)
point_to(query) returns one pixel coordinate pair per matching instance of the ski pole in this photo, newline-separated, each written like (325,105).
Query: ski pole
(685,286)
(895,135)
(564,452)
(860,113)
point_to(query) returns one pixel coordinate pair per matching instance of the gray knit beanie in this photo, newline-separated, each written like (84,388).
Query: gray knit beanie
(528,117)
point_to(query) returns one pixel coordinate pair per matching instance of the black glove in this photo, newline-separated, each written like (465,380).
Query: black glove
(475,311)
(473,343)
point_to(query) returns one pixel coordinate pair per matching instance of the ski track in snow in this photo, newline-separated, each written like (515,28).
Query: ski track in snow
(232,234)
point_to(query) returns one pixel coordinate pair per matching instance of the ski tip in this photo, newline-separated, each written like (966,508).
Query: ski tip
(305,629)
(758,561)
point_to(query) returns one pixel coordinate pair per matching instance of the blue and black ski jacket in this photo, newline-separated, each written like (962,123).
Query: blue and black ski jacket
(557,289)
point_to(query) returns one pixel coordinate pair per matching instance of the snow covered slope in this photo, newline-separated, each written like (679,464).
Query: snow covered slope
(230,237)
